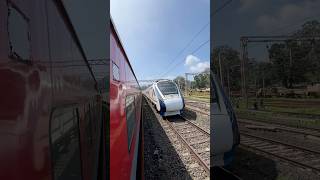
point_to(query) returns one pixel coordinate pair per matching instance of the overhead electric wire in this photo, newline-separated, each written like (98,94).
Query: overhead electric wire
(188,44)
(196,35)
(220,8)
(194,51)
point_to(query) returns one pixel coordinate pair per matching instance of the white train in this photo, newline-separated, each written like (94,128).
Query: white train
(225,135)
(166,97)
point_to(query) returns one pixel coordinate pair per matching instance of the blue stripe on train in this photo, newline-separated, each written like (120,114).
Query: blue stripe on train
(162,107)
(228,156)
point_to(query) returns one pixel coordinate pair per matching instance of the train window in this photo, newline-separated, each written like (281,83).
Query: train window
(19,37)
(115,72)
(167,87)
(65,144)
(130,117)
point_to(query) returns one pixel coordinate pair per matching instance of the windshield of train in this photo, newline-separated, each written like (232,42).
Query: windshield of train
(167,87)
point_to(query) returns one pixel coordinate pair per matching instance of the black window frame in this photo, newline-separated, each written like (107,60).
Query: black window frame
(131,125)
(113,77)
(12,53)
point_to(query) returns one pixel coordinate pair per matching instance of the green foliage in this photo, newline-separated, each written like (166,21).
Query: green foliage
(180,81)
(202,80)
(230,66)
(296,62)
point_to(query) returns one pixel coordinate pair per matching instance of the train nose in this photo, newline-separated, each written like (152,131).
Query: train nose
(173,104)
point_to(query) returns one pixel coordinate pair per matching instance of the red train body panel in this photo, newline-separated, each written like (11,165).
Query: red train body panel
(53,108)
(50,107)
(125,113)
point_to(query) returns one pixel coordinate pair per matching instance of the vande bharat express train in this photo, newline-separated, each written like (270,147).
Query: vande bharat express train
(55,119)
(166,97)
(224,128)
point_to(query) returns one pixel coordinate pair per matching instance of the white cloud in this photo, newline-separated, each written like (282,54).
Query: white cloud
(195,65)
(287,15)
(191,60)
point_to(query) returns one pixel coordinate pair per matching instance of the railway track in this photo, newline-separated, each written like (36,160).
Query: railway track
(199,104)
(292,114)
(278,126)
(187,136)
(222,173)
(201,107)
(296,155)
(194,138)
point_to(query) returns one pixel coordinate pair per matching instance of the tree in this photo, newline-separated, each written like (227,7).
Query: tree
(296,62)
(202,80)
(181,82)
(230,65)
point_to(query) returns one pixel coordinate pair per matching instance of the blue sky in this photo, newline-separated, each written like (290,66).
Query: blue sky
(154,32)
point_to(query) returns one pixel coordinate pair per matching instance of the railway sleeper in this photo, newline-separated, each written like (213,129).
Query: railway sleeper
(199,142)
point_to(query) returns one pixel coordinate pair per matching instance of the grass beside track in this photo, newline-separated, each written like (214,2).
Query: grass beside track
(309,110)
(266,116)
(198,98)
(304,107)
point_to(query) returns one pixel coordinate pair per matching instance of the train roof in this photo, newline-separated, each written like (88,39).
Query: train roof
(113,28)
(161,80)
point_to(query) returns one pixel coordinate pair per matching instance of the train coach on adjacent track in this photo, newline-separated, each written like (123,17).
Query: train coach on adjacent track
(166,97)
(126,142)
(224,128)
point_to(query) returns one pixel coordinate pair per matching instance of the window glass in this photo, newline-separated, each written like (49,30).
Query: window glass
(91,24)
(115,72)
(167,87)
(90,20)
(130,117)
(65,147)
(18,34)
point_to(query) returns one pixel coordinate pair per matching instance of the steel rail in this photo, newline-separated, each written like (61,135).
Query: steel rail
(281,143)
(303,131)
(273,142)
(222,173)
(191,149)
(196,126)
(190,107)
(184,141)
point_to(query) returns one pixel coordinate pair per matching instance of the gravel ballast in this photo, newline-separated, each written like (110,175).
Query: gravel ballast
(165,157)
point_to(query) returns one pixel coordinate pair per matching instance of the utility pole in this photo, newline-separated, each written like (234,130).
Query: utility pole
(220,67)
(228,84)
(290,69)
(263,91)
(186,85)
(244,40)
(244,57)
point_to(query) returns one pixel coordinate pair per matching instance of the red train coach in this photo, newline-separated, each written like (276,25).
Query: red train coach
(126,142)
(51,111)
